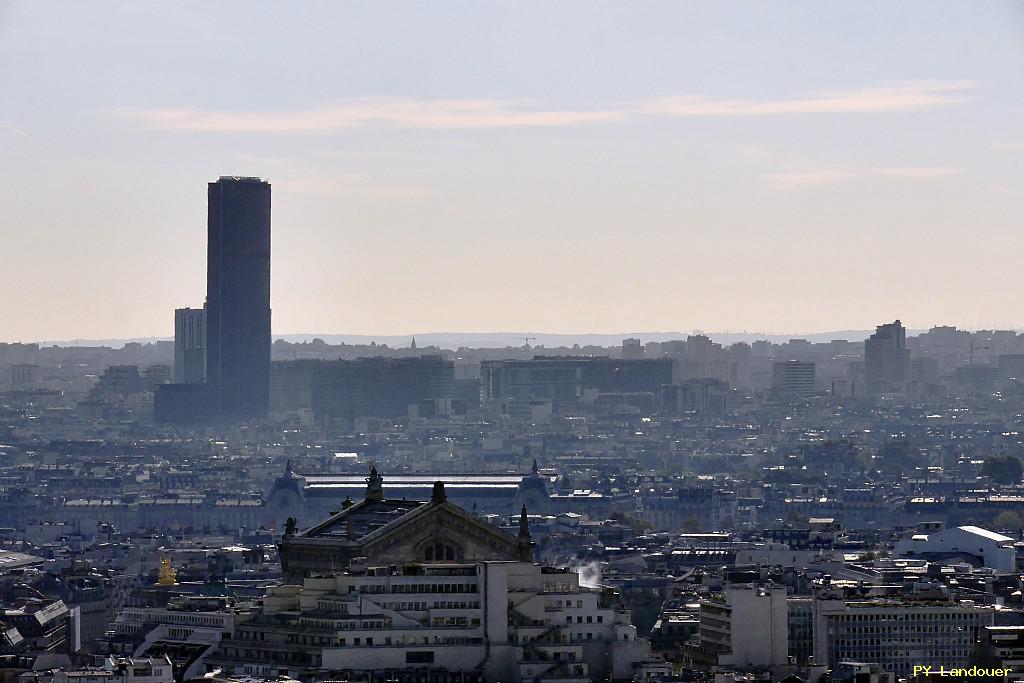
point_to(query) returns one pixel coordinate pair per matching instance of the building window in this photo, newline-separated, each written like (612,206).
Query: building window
(439,551)
(419,657)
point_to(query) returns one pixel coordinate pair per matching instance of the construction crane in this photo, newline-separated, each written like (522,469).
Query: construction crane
(528,340)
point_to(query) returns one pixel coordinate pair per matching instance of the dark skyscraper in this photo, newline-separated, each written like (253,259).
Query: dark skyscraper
(238,298)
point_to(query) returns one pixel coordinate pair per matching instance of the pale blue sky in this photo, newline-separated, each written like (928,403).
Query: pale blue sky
(553,166)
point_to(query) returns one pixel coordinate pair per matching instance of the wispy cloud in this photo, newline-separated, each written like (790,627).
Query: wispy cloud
(489,113)
(923,172)
(887,98)
(393,111)
(13,128)
(348,184)
(809,178)
(296,177)
(814,178)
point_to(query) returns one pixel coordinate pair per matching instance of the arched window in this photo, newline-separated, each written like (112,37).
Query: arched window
(439,552)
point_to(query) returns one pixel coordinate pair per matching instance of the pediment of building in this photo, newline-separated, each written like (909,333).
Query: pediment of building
(445,524)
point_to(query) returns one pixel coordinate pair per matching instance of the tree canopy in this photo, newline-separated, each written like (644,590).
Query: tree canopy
(1003,469)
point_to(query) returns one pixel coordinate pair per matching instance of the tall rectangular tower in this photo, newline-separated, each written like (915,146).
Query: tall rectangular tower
(238,298)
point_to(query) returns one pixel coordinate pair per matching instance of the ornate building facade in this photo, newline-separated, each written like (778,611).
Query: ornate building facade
(385,531)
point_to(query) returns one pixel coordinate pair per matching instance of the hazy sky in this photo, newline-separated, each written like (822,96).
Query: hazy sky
(552,166)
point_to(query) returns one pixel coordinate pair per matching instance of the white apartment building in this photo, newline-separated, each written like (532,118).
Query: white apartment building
(897,634)
(195,622)
(746,627)
(121,670)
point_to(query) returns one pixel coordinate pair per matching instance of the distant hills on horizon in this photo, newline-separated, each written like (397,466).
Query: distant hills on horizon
(454,340)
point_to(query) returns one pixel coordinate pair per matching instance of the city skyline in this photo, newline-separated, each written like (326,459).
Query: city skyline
(453,340)
(513,341)
(559,169)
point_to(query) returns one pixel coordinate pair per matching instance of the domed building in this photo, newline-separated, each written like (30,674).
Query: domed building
(534,491)
(381,530)
(285,495)
(314,496)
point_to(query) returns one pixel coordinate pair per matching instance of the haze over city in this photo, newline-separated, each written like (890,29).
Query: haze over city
(511,342)
(474,167)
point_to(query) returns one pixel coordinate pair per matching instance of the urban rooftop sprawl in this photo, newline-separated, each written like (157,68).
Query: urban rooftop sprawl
(227,507)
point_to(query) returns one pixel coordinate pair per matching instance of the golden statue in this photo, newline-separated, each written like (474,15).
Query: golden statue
(168,577)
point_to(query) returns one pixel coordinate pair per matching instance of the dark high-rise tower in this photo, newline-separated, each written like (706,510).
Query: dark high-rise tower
(238,298)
